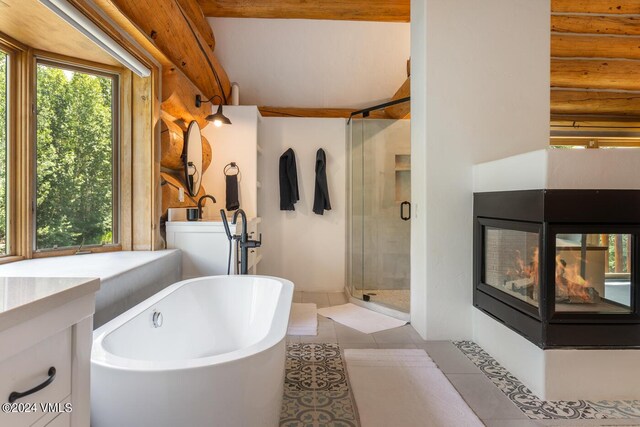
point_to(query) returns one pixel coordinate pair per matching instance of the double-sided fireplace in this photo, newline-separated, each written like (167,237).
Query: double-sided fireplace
(560,267)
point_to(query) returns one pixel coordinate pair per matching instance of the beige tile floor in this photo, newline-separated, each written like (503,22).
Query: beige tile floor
(493,407)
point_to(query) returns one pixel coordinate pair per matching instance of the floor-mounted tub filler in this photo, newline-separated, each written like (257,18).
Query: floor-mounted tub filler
(203,352)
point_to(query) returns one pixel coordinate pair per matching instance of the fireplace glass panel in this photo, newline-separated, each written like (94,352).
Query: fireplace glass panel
(511,262)
(593,273)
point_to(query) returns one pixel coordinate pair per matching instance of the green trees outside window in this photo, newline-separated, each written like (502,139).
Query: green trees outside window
(74,158)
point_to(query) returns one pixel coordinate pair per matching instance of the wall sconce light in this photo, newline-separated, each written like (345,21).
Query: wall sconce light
(218,118)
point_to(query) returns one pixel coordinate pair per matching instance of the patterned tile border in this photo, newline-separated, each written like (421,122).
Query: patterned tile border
(536,408)
(316,390)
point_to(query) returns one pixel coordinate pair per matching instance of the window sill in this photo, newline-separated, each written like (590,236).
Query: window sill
(10,258)
(72,251)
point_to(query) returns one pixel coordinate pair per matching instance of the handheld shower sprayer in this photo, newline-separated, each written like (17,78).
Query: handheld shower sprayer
(225,223)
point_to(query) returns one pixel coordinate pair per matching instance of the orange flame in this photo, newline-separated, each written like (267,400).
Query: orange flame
(569,283)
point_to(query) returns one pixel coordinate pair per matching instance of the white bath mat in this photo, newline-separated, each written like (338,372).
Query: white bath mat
(360,318)
(404,388)
(303,319)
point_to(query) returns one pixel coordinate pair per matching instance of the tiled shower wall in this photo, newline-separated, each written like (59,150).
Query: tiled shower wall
(380,181)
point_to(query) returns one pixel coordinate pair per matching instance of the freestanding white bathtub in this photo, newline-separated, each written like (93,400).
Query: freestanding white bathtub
(203,352)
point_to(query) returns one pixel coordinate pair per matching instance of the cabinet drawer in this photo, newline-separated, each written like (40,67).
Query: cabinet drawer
(51,418)
(28,369)
(62,420)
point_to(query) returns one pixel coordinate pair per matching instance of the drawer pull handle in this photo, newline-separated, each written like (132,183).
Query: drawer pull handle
(15,395)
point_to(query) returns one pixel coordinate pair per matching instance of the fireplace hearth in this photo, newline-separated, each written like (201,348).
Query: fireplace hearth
(560,267)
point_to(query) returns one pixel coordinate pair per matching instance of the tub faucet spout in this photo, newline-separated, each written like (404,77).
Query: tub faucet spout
(244,220)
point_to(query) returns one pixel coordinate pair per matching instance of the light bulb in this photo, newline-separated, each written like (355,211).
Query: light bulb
(217,123)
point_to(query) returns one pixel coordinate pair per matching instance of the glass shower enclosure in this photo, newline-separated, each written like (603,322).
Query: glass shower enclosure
(379,214)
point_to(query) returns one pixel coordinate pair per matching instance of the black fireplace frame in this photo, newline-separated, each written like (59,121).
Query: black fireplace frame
(550,212)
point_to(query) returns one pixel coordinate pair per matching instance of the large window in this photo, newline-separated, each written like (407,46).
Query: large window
(4,141)
(76,154)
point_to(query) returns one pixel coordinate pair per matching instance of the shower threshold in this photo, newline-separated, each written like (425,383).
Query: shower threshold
(392,302)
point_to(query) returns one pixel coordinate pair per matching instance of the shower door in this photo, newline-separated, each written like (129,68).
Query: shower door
(380,211)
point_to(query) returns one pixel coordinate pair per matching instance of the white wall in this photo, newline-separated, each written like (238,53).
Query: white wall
(483,68)
(299,245)
(561,169)
(312,63)
(233,143)
(595,169)
(518,355)
(559,374)
(498,175)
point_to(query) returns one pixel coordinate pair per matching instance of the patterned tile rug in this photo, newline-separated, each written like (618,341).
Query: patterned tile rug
(536,408)
(316,390)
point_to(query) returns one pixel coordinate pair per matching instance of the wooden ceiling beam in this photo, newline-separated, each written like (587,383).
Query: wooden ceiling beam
(627,7)
(349,10)
(125,23)
(169,27)
(194,12)
(595,74)
(403,110)
(594,102)
(563,45)
(615,25)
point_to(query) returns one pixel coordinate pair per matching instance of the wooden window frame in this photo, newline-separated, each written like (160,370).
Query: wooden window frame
(16,52)
(139,148)
(21,150)
(82,66)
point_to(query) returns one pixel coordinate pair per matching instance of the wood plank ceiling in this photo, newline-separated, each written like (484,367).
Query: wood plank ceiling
(44,30)
(349,10)
(595,58)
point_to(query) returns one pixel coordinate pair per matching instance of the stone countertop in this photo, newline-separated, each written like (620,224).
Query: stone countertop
(215,222)
(24,298)
(105,265)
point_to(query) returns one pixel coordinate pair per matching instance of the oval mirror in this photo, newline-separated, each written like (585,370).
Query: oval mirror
(192,158)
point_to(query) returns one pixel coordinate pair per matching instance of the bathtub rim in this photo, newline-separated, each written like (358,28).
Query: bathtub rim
(277,332)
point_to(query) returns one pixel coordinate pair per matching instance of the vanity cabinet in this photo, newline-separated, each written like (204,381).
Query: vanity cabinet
(205,247)
(44,324)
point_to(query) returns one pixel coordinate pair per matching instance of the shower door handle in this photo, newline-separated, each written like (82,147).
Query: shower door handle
(402,215)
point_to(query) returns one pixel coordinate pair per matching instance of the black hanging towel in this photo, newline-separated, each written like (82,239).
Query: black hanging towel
(288,181)
(231,181)
(321,200)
